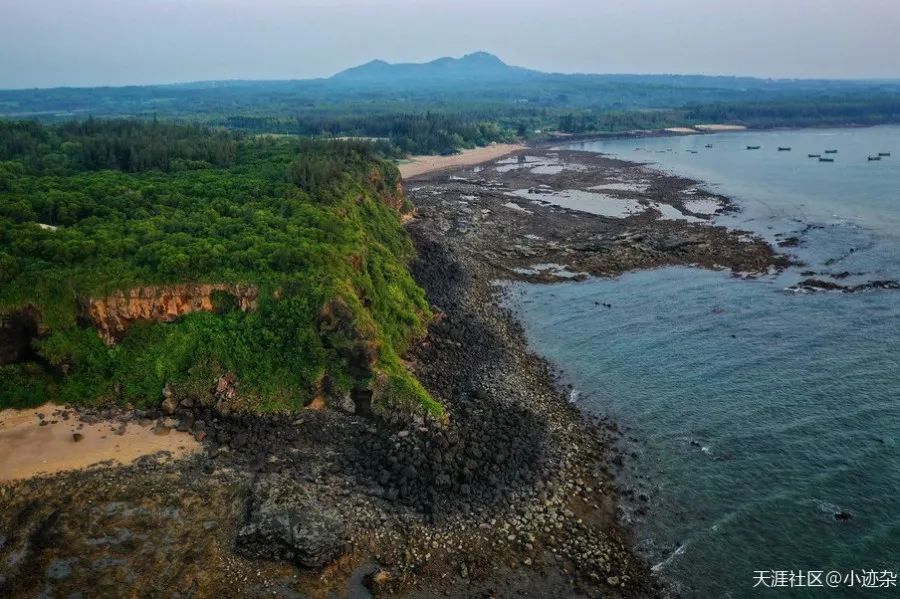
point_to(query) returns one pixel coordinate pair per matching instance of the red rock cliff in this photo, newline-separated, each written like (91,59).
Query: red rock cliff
(112,315)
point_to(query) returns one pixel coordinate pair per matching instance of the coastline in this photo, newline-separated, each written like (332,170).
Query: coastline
(423,165)
(517,492)
(446,224)
(549,142)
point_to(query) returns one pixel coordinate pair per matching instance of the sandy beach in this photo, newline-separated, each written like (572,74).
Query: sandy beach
(711,128)
(716,127)
(420,165)
(43,441)
(681,130)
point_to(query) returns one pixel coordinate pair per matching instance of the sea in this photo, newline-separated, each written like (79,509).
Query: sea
(764,422)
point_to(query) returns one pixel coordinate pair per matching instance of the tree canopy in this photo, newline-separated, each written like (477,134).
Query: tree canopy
(127,204)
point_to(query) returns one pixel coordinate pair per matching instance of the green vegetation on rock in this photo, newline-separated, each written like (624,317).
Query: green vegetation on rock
(94,208)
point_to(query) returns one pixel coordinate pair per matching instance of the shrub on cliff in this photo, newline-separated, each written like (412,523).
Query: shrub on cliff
(306,224)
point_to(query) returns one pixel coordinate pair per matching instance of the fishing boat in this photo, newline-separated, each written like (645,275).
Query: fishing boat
(826,159)
(814,155)
(783,149)
(831,151)
(874,158)
(884,153)
(753,147)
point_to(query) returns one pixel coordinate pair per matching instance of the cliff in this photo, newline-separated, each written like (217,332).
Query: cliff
(318,223)
(113,314)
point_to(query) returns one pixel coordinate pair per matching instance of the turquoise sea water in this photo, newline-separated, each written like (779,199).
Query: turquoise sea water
(756,413)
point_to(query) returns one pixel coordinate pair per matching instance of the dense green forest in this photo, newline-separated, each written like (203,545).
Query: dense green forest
(250,183)
(875,110)
(460,103)
(90,208)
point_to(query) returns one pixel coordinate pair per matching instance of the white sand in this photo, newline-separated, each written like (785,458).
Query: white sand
(681,130)
(715,127)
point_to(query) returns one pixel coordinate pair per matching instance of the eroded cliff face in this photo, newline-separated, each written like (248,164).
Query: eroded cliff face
(390,195)
(113,314)
(339,331)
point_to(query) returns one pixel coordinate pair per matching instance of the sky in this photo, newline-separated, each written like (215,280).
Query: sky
(47,43)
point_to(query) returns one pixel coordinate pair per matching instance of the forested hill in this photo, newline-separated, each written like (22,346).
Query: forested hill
(140,255)
(474,100)
(479,66)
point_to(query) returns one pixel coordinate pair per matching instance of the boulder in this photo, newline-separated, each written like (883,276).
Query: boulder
(286,522)
(169,403)
(843,516)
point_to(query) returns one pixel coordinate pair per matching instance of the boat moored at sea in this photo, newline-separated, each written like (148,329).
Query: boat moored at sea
(814,155)
(873,158)
(884,153)
(783,149)
(831,151)
(753,147)
(821,159)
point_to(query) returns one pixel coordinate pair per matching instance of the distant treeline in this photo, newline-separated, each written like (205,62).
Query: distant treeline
(864,110)
(782,113)
(125,145)
(395,134)
(419,119)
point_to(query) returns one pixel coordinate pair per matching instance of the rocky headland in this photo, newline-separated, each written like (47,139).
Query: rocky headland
(512,494)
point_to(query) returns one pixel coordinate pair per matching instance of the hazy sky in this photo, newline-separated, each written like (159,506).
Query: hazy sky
(115,42)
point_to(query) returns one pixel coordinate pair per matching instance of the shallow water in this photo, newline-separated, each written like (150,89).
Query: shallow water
(856,202)
(758,412)
(602,204)
(584,201)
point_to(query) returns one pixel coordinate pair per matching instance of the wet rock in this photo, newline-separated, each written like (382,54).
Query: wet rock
(169,403)
(842,516)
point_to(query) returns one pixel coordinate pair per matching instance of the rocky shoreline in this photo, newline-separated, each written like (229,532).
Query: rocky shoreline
(514,496)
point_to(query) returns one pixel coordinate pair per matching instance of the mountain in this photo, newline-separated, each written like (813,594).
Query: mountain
(471,67)
(480,82)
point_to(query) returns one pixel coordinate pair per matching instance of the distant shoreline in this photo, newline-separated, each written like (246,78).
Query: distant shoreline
(673,132)
(421,165)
